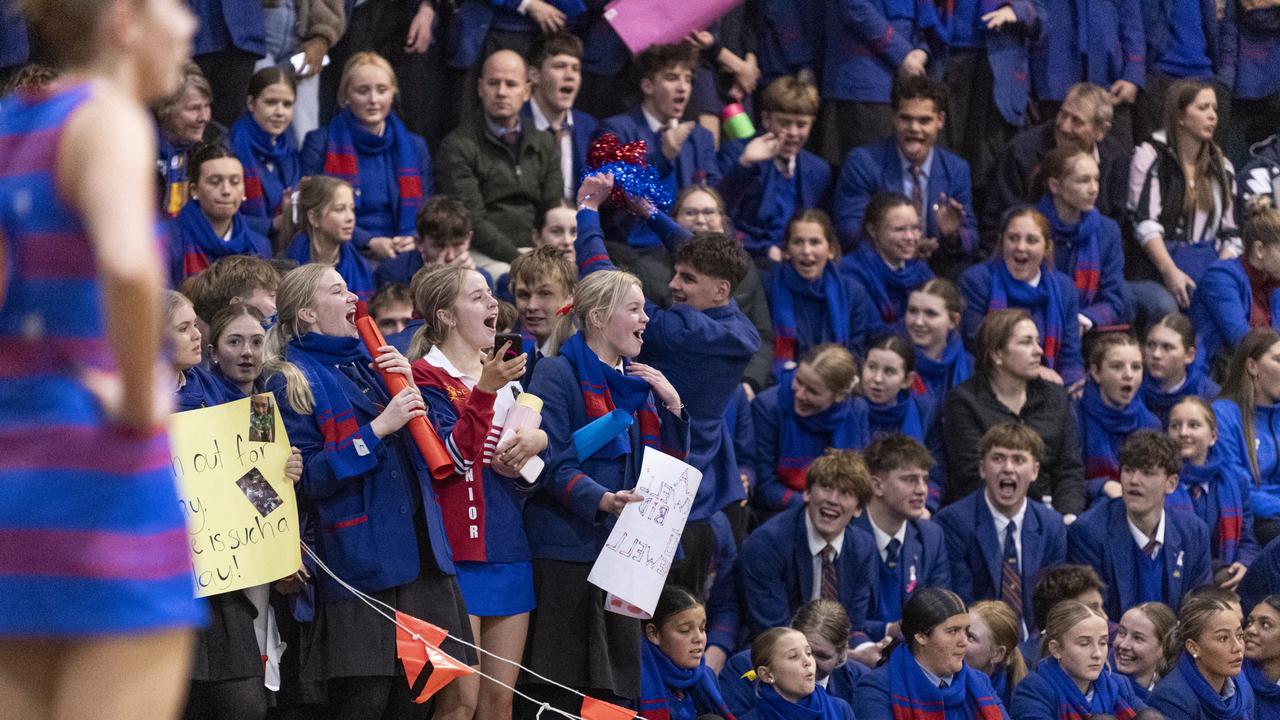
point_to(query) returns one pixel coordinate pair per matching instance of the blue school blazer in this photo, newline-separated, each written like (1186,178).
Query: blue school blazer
(866,41)
(359,518)
(229,23)
(1220,309)
(739,693)
(974,548)
(1101,538)
(562,519)
(1259,39)
(923,553)
(1107,40)
(747,192)
(696,163)
(1220,37)
(776,572)
(877,167)
(585,129)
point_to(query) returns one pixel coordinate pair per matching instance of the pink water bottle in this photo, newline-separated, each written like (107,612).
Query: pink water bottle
(526,413)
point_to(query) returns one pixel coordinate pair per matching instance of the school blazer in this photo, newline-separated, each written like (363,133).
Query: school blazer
(747,190)
(877,167)
(363,524)
(1101,538)
(562,519)
(223,23)
(696,163)
(973,548)
(923,553)
(776,572)
(584,130)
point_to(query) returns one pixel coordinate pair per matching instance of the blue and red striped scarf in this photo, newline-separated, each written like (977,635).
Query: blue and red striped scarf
(817,705)
(913,697)
(270,166)
(937,377)
(604,389)
(1103,429)
(1109,696)
(1221,507)
(801,439)
(1160,403)
(348,141)
(351,266)
(784,285)
(904,415)
(316,356)
(888,288)
(1083,238)
(200,245)
(1044,300)
(659,677)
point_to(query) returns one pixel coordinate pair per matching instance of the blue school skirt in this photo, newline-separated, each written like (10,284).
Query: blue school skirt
(496,589)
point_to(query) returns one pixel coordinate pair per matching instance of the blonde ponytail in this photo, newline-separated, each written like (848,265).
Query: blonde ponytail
(595,299)
(296,290)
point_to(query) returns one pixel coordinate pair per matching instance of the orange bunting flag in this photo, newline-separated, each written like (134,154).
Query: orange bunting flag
(593,709)
(418,645)
(444,669)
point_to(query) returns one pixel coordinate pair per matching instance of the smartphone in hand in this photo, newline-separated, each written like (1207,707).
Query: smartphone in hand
(516,341)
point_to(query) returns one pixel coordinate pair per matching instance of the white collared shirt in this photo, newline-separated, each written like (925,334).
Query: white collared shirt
(935,680)
(1002,522)
(883,538)
(817,544)
(654,123)
(1142,539)
(506,397)
(541,122)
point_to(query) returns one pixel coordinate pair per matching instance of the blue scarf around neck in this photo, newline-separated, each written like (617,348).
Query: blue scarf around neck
(937,377)
(817,705)
(1212,705)
(659,677)
(1109,696)
(270,165)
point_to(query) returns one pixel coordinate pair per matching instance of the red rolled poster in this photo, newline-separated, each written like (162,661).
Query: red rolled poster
(424,436)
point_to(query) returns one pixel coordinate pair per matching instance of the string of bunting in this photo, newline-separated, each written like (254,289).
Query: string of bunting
(418,644)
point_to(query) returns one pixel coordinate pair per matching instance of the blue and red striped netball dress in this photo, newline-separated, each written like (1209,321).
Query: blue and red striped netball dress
(92,539)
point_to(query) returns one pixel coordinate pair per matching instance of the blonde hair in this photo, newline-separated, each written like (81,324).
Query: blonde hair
(837,367)
(595,300)
(434,289)
(172,301)
(295,293)
(192,79)
(1005,632)
(357,61)
(1064,616)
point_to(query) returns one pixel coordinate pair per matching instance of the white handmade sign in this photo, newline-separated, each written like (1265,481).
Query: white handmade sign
(633,565)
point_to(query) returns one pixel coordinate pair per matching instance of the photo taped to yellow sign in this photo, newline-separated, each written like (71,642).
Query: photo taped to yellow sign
(241,513)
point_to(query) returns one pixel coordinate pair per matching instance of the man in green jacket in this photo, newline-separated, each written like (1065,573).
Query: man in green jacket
(505,173)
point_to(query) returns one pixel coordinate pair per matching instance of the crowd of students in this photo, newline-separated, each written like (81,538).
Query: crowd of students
(973,343)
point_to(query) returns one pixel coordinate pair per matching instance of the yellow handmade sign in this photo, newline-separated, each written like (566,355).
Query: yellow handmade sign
(242,518)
